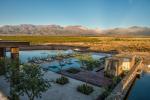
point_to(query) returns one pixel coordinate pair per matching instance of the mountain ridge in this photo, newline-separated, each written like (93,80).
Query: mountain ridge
(74,30)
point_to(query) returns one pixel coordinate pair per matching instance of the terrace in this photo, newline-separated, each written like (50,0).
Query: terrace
(94,78)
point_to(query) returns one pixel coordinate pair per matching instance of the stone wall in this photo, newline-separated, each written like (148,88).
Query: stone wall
(52,47)
(121,89)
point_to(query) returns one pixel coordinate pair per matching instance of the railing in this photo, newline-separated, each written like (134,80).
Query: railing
(121,89)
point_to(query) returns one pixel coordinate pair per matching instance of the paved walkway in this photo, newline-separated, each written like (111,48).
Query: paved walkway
(58,92)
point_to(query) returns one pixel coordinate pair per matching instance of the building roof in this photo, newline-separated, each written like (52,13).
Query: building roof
(8,43)
(121,57)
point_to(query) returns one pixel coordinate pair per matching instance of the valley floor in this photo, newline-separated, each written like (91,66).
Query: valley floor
(136,45)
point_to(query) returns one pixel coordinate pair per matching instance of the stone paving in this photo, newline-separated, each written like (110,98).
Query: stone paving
(58,92)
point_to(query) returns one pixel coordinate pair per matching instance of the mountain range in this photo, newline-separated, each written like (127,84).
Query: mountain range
(57,30)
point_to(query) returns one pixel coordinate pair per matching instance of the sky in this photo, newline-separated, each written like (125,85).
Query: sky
(89,13)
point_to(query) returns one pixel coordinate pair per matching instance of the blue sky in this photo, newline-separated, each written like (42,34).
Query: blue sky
(90,13)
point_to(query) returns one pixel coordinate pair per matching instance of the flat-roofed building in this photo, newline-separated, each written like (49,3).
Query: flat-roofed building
(14,50)
(13,45)
(117,65)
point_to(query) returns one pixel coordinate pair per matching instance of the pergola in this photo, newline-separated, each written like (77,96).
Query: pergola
(14,47)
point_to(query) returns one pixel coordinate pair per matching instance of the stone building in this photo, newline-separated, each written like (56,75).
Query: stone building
(117,65)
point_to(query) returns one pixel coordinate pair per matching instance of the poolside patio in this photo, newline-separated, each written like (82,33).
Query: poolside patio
(58,92)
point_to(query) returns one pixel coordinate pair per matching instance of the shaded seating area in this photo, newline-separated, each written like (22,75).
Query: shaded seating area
(13,45)
(14,49)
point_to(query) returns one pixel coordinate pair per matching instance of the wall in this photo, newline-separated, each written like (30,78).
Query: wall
(119,92)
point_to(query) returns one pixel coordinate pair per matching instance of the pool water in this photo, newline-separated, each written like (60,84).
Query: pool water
(25,55)
(141,88)
(54,65)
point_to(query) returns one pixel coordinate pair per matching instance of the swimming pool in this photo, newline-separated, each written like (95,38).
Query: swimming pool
(54,65)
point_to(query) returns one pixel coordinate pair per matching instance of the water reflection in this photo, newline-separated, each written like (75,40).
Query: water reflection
(140,89)
(53,65)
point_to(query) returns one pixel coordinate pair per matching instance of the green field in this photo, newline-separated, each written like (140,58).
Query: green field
(51,39)
(138,44)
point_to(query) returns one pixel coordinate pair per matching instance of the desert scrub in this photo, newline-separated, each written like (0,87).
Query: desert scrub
(62,80)
(131,44)
(85,89)
(73,70)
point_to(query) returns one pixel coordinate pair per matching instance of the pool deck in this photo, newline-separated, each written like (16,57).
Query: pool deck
(95,78)
(56,91)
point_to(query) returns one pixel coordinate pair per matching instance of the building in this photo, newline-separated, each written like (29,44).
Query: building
(12,45)
(117,65)
(14,50)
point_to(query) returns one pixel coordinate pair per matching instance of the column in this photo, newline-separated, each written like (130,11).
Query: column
(2,52)
(14,53)
(2,64)
(15,71)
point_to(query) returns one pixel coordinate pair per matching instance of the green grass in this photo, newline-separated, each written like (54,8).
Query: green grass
(59,39)
(131,44)
(51,39)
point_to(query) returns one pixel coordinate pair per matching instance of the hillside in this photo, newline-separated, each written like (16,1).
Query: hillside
(134,30)
(57,30)
(53,30)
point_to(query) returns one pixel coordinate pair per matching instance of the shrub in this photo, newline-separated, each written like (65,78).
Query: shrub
(85,89)
(104,95)
(62,80)
(73,70)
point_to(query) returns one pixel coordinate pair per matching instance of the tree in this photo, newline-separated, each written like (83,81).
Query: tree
(31,80)
(87,62)
(83,60)
(12,75)
(92,63)
(60,58)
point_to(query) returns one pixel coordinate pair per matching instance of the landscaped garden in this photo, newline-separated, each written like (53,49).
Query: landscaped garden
(32,81)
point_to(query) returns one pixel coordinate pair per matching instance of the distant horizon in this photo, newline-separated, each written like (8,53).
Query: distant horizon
(103,14)
(77,25)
